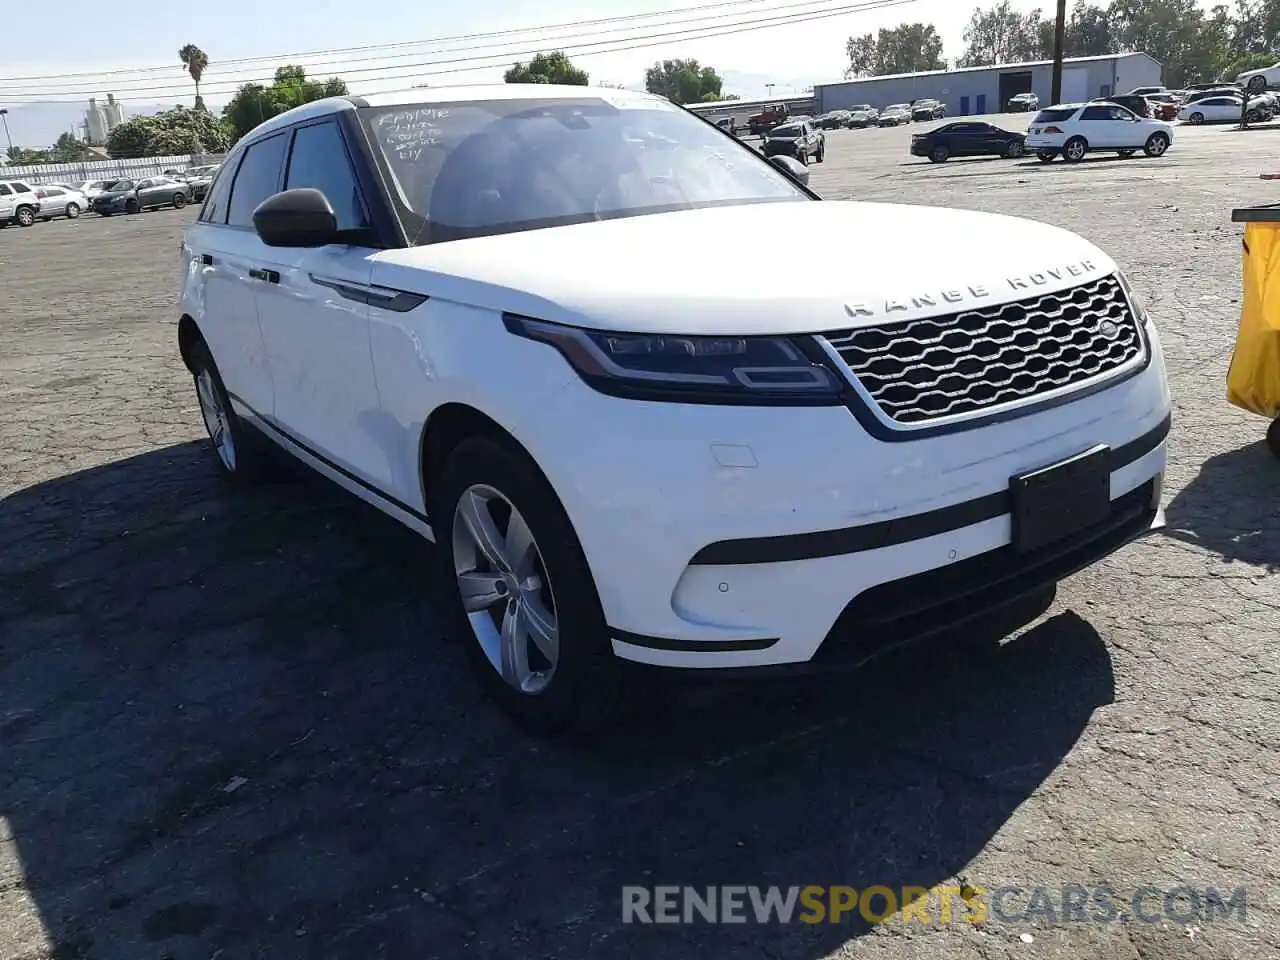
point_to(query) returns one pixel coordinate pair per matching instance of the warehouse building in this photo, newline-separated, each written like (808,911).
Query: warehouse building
(974,90)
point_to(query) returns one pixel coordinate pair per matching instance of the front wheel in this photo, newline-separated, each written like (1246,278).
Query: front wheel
(1156,146)
(238,458)
(820,155)
(1273,437)
(524,600)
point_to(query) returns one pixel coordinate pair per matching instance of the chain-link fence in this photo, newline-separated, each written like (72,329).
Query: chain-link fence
(105,169)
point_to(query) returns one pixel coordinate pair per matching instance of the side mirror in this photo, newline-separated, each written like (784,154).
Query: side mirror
(296,218)
(792,167)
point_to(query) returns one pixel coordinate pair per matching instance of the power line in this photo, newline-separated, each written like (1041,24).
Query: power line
(580,50)
(294,57)
(212,80)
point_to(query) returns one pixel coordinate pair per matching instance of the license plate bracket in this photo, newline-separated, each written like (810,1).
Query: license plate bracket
(1064,498)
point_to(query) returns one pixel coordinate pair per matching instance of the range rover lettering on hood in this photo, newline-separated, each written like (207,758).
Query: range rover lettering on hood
(974,293)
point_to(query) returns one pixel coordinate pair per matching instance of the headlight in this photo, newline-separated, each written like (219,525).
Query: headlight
(774,371)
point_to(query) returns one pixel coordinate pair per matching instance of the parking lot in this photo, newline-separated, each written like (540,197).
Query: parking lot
(232,724)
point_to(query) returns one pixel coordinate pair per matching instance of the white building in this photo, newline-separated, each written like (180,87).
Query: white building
(115,115)
(95,119)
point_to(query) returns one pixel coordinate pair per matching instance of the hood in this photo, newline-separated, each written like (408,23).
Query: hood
(723,270)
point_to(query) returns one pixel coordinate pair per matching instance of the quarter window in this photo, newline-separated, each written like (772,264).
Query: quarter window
(215,204)
(319,160)
(257,179)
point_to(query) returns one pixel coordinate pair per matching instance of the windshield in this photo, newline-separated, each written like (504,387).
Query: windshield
(120,186)
(480,168)
(789,132)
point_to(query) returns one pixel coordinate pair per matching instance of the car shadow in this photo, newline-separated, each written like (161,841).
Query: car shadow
(1230,507)
(233,726)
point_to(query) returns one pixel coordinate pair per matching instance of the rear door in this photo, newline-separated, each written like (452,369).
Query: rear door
(53,201)
(314,307)
(7,204)
(1098,126)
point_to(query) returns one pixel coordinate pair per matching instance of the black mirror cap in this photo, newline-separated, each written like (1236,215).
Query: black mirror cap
(792,167)
(302,217)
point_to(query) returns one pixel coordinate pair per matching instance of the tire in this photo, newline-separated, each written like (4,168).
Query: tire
(1157,145)
(940,153)
(1126,154)
(24,216)
(179,201)
(1257,83)
(1074,150)
(1015,150)
(103,213)
(73,211)
(1273,438)
(1046,156)
(575,686)
(820,155)
(46,219)
(240,456)
(803,158)
(1253,116)
(131,206)
(1197,118)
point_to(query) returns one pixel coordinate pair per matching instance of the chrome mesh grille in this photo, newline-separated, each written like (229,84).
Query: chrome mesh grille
(922,370)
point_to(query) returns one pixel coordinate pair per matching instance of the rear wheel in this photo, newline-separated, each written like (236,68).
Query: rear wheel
(1273,437)
(524,600)
(1156,146)
(1257,83)
(238,456)
(1126,154)
(1075,149)
(73,210)
(1196,118)
(1015,150)
(179,201)
(25,216)
(940,153)
(1046,156)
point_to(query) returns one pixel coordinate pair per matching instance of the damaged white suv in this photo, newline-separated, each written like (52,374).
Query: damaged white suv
(543,326)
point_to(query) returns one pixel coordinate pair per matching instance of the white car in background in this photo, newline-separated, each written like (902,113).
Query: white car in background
(1224,109)
(1255,80)
(18,203)
(1071,130)
(536,324)
(92,188)
(60,200)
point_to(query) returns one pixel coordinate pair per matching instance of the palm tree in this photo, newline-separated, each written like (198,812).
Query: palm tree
(195,60)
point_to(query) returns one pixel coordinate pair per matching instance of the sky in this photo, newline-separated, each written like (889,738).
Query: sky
(791,56)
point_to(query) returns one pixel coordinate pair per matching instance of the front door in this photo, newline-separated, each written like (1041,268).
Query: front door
(315,320)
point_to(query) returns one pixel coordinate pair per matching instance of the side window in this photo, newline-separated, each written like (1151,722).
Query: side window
(1096,113)
(21,188)
(142,184)
(257,179)
(215,204)
(1120,113)
(319,159)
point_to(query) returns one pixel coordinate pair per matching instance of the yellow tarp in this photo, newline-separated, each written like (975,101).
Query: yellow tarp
(1253,382)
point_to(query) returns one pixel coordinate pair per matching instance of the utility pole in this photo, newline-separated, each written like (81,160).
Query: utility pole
(1059,41)
(4,116)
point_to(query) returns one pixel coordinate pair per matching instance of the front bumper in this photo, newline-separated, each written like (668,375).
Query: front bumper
(736,537)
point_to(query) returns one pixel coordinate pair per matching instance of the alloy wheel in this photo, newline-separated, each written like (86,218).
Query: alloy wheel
(216,419)
(505,590)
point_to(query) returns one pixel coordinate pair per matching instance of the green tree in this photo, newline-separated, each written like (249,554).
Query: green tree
(196,61)
(1002,35)
(906,48)
(1172,31)
(68,149)
(175,131)
(290,87)
(683,81)
(20,156)
(554,67)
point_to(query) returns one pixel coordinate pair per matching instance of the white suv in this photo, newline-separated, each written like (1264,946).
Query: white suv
(537,325)
(1074,129)
(18,203)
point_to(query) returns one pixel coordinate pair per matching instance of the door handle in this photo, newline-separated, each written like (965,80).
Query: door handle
(206,259)
(270,276)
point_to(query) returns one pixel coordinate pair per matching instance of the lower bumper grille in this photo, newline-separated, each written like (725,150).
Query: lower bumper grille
(960,595)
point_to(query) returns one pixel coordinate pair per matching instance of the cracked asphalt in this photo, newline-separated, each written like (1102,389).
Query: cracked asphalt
(232,724)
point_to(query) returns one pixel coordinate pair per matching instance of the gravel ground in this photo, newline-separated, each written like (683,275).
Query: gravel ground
(232,726)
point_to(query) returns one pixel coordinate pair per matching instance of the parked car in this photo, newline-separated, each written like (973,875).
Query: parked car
(1134,104)
(1226,109)
(1164,105)
(58,200)
(894,115)
(1255,80)
(18,203)
(129,196)
(796,138)
(967,138)
(834,120)
(91,188)
(927,110)
(1023,102)
(1071,130)
(761,123)
(199,179)
(1219,90)
(1145,91)
(727,124)
(567,445)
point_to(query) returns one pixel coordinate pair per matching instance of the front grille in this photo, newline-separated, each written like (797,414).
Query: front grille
(921,370)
